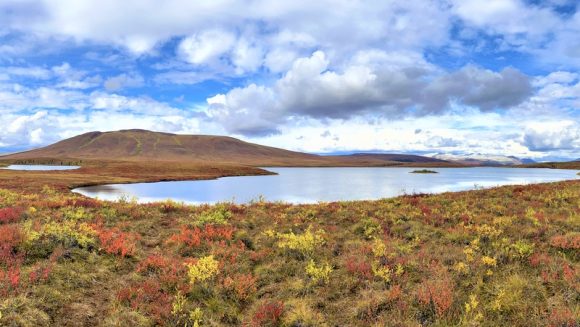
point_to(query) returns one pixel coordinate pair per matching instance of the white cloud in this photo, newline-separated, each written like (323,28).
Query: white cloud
(206,47)
(307,67)
(564,135)
(376,82)
(507,17)
(142,25)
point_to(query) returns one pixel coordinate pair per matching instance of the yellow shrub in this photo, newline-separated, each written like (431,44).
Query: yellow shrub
(468,253)
(523,249)
(383,272)
(472,304)
(76,214)
(305,243)
(461,268)
(471,249)
(196,316)
(379,248)
(219,215)
(370,228)
(504,221)
(487,231)
(301,314)
(8,198)
(472,316)
(178,303)
(531,215)
(47,190)
(399,269)
(318,274)
(205,268)
(269,233)
(488,261)
(67,232)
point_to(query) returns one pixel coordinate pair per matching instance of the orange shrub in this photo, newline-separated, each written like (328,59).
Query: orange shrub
(195,237)
(114,241)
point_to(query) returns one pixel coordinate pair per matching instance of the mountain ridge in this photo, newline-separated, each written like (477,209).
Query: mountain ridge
(139,144)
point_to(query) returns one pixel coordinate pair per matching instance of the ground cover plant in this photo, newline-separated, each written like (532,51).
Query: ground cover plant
(496,257)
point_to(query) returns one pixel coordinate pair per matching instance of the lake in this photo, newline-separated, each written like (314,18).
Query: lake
(39,167)
(311,185)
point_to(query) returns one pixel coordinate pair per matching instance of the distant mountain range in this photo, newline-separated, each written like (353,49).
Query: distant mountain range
(478,159)
(135,145)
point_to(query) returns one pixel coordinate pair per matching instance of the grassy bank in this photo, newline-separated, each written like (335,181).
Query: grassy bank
(503,256)
(98,172)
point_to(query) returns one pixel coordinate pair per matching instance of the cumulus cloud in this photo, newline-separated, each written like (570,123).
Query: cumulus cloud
(549,137)
(141,26)
(311,89)
(207,46)
(269,67)
(484,89)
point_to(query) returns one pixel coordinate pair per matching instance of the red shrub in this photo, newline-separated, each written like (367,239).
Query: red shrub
(114,241)
(538,259)
(10,215)
(10,279)
(268,314)
(170,271)
(569,274)
(562,318)
(10,238)
(148,297)
(359,268)
(257,256)
(566,241)
(243,286)
(549,277)
(154,262)
(395,293)
(40,273)
(228,254)
(195,237)
(438,292)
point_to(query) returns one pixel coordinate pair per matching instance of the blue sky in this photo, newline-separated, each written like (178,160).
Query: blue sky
(453,76)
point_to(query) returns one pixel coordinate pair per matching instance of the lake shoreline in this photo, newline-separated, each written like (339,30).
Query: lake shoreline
(287,188)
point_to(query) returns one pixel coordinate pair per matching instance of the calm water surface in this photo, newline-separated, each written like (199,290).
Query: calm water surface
(40,167)
(310,185)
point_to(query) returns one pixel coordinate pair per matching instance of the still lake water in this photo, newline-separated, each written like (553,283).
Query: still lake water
(311,185)
(39,167)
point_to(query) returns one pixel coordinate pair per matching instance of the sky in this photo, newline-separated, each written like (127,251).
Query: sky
(496,77)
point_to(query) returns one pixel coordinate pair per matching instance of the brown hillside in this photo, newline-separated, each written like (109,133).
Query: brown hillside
(139,145)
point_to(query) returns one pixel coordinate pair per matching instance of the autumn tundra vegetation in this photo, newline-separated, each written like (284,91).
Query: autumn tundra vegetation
(506,256)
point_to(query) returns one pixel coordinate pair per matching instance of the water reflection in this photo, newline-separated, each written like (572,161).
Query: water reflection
(40,167)
(310,185)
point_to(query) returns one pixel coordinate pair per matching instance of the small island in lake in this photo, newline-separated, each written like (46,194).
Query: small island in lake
(424,171)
